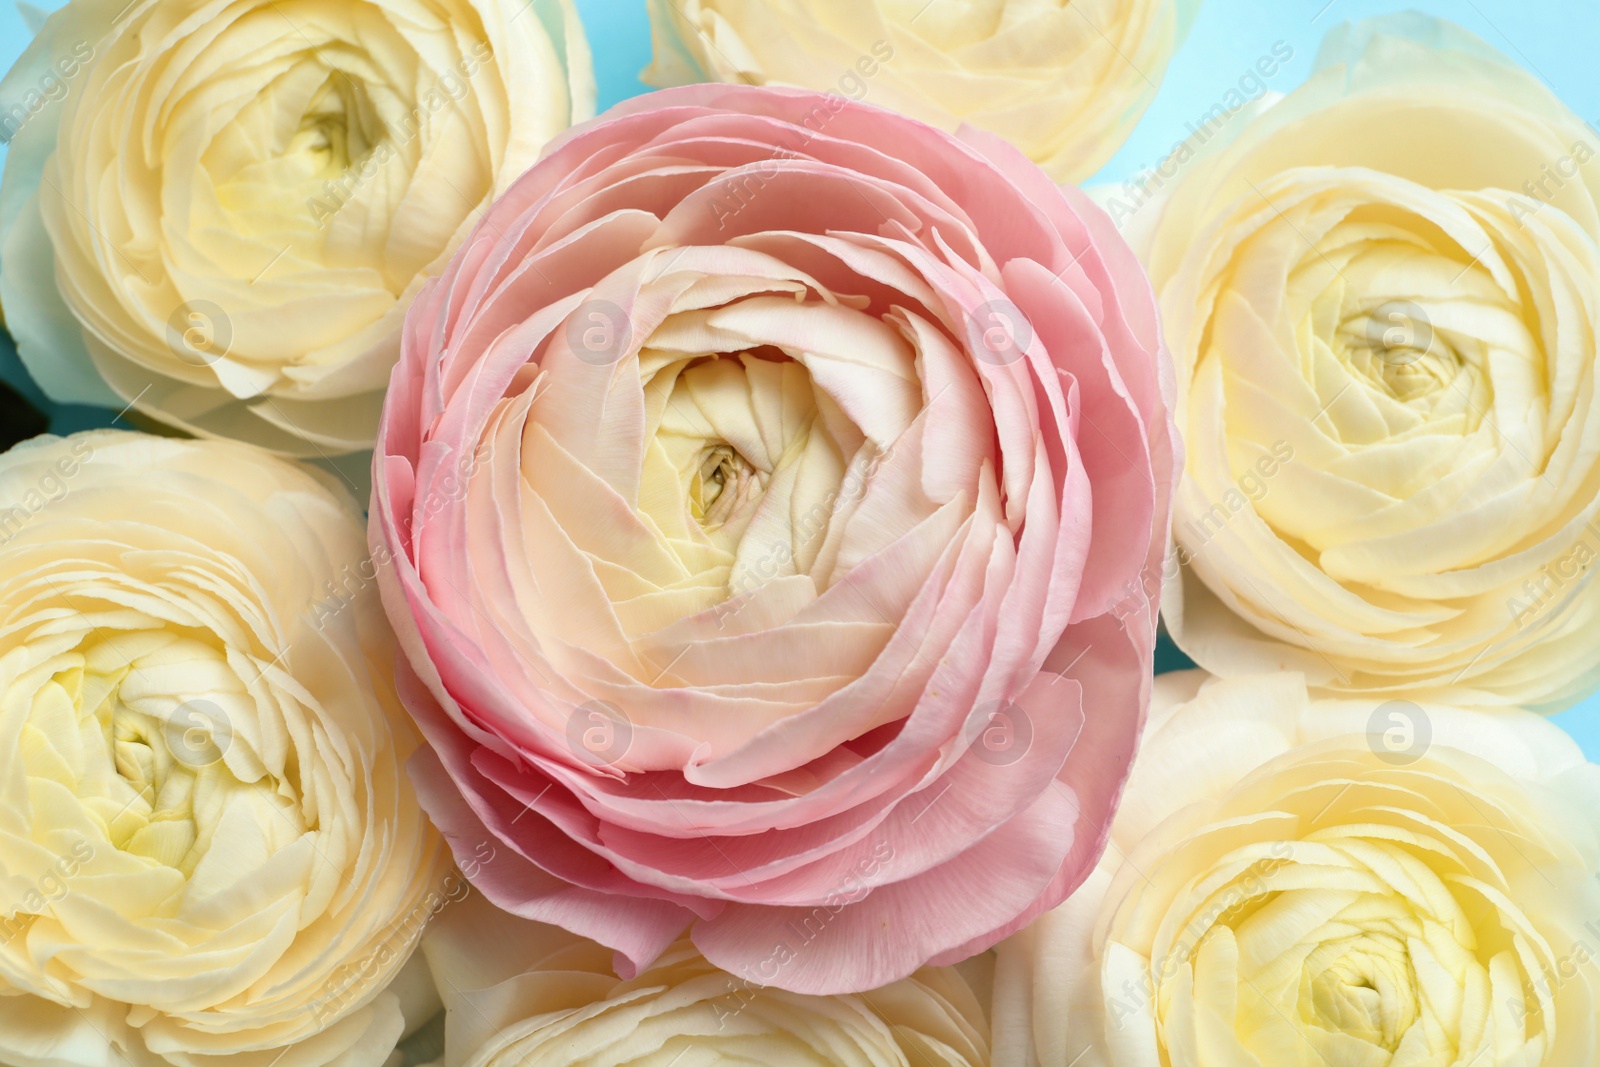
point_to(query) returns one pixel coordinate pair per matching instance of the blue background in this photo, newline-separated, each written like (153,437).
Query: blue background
(1556,39)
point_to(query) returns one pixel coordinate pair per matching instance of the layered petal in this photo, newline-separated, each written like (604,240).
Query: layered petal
(1065,83)
(761,480)
(1383,291)
(207,846)
(1324,881)
(519,992)
(225,219)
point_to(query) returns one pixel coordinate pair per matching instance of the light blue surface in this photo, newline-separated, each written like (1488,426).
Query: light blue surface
(1557,39)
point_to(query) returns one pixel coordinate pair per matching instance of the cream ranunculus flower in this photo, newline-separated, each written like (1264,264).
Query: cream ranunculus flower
(1299,882)
(521,993)
(225,217)
(1066,83)
(1382,299)
(208,848)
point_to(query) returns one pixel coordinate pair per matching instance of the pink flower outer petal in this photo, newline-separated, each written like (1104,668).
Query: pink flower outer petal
(918,851)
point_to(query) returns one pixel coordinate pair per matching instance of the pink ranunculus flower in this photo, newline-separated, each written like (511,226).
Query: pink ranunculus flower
(771,496)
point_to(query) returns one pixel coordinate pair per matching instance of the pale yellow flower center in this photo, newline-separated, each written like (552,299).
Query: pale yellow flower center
(1358,946)
(1396,350)
(1393,348)
(1377,294)
(339,128)
(1363,985)
(719,471)
(150,766)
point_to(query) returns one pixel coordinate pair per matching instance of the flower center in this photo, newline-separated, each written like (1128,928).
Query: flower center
(340,128)
(1395,348)
(1363,986)
(292,158)
(1382,337)
(165,753)
(162,822)
(119,723)
(724,482)
(729,431)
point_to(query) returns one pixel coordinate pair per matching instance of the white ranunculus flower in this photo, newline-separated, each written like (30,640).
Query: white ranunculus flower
(1300,882)
(521,993)
(208,848)
(225,215)
(1382,297)
(1064,82)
